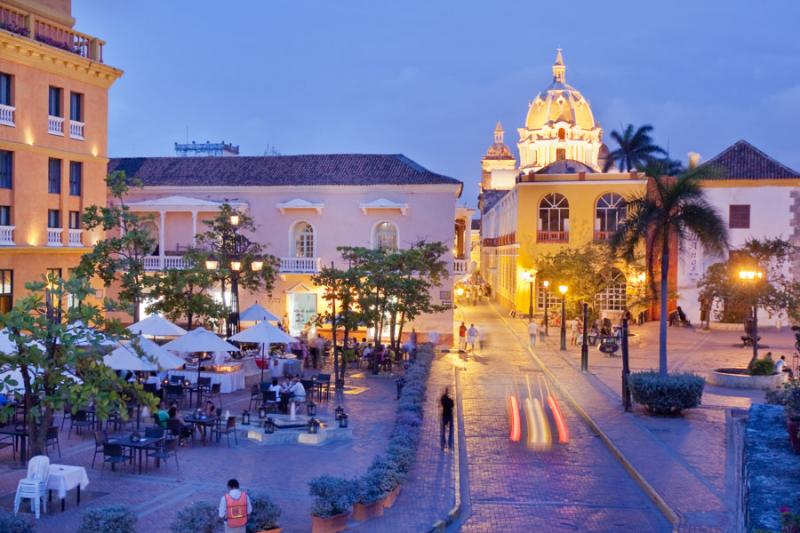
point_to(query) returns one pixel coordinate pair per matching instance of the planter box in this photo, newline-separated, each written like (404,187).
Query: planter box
(731,380)
(365,511)
(388,502)
(331,524)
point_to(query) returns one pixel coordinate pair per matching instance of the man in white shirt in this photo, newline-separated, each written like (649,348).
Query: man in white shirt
(297,390)
(533,332)
(234,508)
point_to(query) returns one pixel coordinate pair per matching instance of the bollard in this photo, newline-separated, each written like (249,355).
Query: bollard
(626,392)
(585,343)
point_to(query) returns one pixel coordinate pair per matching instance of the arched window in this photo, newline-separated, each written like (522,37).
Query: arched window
(613,296)
(151,228)
(303,234)
(553,219)
(561,134)
(385,237)
(610,211)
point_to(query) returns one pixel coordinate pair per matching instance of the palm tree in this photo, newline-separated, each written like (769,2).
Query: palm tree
(674,207)
(635,149)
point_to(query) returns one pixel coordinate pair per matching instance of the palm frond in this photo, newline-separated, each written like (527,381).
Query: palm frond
(703,221)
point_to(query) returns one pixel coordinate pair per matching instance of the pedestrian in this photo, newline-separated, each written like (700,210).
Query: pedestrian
(412,341)
(533,332)
(234,508)
(472,337)
(574,330)
(462,337)
(447,418)
(542,332)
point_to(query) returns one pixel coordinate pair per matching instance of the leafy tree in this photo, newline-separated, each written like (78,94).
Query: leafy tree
(58,362)
(635,149)
(674,208)
(227,242)
(664,167)
(184,293)
(777,292)
(120,255)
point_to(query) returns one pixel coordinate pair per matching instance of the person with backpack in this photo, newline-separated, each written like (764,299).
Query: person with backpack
(234,508)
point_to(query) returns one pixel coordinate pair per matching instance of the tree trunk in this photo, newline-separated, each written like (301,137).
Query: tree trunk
(662,332)
(344,356)
(335,348)
(392,322)
(136,302)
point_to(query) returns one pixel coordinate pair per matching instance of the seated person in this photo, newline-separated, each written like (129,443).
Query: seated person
(297,391)
(176,424)
(275,389)
(780,366)
(210,410)
(162,415)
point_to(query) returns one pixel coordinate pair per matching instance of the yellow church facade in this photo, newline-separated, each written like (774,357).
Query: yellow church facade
(552,201)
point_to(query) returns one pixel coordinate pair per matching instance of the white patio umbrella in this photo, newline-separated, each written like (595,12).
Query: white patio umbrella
(157,326)
(256,313)
(200,340)
(125,357)
(263,333)
(86,336)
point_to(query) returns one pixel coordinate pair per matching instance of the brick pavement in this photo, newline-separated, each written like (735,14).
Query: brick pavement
(687,460)
(577,486)
(281,471)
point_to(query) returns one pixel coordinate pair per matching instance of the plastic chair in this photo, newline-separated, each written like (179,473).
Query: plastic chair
(34,486)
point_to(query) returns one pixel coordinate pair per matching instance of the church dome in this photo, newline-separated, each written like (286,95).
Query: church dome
(560,102)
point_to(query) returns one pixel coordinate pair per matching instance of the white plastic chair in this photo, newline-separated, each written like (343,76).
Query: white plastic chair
(34,485)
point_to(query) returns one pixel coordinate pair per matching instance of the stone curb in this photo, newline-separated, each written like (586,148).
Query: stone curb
(671,516)
(452,515)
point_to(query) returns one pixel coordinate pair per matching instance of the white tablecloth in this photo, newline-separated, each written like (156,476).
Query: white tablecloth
(64,478)
(229,381)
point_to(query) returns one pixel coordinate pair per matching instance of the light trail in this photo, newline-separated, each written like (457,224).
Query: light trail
(514,422)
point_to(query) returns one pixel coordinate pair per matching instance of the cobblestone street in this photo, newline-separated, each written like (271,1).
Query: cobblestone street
(577,486)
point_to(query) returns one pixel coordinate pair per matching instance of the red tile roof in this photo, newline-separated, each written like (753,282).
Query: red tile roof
(743,161)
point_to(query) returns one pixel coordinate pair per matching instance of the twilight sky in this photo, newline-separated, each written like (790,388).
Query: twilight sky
(430,79)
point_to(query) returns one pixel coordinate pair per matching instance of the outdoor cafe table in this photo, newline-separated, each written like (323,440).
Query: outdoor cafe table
(64,478)
(20,435)
(202,423)
(228,381)
(144,443)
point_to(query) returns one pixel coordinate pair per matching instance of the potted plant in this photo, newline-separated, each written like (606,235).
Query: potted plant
(666,394)
(107,519)
(371,494)
(264,518)
(200,517)
(333,498)
(789,398)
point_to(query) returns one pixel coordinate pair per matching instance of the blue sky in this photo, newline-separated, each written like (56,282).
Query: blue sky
(431,79)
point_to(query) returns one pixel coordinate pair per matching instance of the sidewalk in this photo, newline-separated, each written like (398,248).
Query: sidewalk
(683,459)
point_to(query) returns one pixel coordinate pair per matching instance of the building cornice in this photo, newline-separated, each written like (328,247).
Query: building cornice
(54,152)
(60,62)
(327,189)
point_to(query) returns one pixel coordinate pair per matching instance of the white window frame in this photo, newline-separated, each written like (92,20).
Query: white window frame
(293,239)
(377,225)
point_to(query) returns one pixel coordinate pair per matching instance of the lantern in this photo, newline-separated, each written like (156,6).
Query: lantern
(246,418)
(165,382)
(187,384)
(311,408)
(256,266)
(339,412)
(236,266)
(211,264)
(313,425)
(343,420)
(262,412)
(234,220)
(269,426)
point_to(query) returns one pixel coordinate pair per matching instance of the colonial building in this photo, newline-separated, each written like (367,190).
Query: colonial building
(53,137)
(304,206)
(758,198)
(558,197)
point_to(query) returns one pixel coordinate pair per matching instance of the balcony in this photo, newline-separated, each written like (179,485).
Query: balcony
(6,235)
(75,238)
(7,115)
(300,265)
(166,262)
(54,236)
(25,24)
(460,266)
(552,236)
(602,235)
(55,125)
(76,129)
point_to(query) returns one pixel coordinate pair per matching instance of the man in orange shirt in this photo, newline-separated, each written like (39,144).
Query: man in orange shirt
(462,337)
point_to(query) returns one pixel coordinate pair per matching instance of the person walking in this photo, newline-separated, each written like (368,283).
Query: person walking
(533,332)
(234,507)
(575,329)
(447,418)
(412,342)
(462,337)
(472,337)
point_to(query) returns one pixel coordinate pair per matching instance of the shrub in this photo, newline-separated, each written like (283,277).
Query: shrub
(787,396)
(107,519)
(265,513)
(200,517)
(763,367)
(385,471)
(15,524)
(666,394)
(332,495)
(371,487)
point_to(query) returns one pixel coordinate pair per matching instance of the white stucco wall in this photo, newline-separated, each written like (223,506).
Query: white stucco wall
(770,216)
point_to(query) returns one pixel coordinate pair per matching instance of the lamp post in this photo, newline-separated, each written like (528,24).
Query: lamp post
(529,276)
(563,290)
(753,276)
(546,285)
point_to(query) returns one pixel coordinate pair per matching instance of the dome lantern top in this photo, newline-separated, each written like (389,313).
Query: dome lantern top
(559,69)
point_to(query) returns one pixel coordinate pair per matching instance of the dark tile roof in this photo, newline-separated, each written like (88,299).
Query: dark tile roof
(491,197)
(565,166)
(744,161)
(327,169)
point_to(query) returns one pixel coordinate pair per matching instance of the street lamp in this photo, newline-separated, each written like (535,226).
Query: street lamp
(234,220)
(753,276)
(546,285)
(563,290)
(529,276)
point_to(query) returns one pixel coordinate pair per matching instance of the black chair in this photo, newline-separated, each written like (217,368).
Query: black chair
(175,394)
(67,414)
(176,380)
(166,449)
(151,388)
(113,454)
(178,429)
(227,430)
(8,441)
(324,382)
(255,395)
(99,441)
(52,439)
(79,420)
